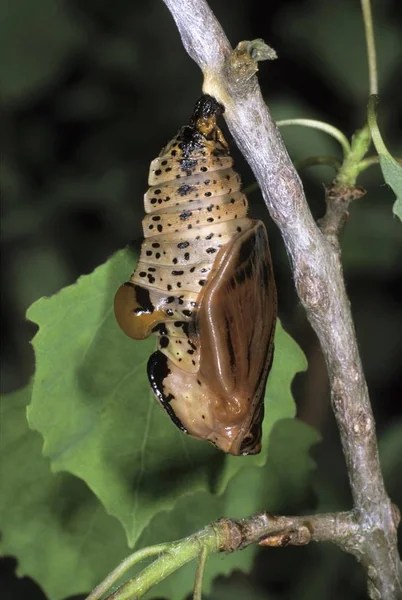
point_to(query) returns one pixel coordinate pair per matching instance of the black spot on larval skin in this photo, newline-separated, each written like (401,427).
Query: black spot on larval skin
(145,305)
(186,214)
(160,328)
(164,341)
(187,165)
(185,189)
(158,370)
(184,325)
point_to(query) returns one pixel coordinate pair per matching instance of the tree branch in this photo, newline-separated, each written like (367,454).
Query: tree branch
(318,277)
(271,530)
(228,535)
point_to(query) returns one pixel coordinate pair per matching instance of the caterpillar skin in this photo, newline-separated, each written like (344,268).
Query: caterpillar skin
(204,285)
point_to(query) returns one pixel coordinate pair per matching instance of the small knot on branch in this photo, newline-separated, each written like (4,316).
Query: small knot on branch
(245,58)
(299,537)
(311,289)
(337,199)
(266,530)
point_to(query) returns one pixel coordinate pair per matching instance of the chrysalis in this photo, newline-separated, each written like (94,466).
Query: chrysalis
(204,284)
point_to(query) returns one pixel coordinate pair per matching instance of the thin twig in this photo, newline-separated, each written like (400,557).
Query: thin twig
(370,44)
(202,561)
(124,566)
(179,553)
(322,126)
(373,125)
(317,161)
(318,278)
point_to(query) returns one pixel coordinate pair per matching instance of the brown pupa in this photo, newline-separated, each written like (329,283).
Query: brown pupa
(204,284)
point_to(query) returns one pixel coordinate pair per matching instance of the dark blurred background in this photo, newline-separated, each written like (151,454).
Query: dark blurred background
(91,91)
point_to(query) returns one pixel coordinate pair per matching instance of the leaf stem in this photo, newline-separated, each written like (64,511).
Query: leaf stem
(373,125)
(368,162)
(370,44)
(178,554)
(200,573)
(314,161)
(321,125)
(124,566)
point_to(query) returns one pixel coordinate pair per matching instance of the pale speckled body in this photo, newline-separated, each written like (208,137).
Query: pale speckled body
(196,233)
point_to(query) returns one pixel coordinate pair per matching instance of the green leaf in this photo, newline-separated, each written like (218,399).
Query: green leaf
(93,406)
(391,169)
(392,172)
(53,524)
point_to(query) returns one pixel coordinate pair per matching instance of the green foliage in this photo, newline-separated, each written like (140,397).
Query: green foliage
(63,538)
(92,404)
(392,172)
(88,103)
(391,169)
(103,429)
(57,529)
